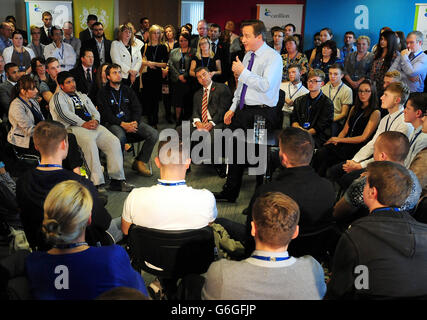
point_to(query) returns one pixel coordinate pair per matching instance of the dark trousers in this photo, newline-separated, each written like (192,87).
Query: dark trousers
(344,180)
(145,132)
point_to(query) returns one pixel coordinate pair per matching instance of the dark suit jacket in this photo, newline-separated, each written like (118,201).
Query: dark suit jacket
(218,104)
(84,35)
(223,54)
(91,45)
(6,89)
(82,84)
(44,38)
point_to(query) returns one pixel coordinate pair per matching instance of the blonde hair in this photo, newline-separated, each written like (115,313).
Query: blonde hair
(33,28)
(368,40)
(199,52)
(153,29)
(127,26)
(393,74)
(67,209)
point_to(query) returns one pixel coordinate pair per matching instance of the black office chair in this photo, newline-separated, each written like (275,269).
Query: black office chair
(421,212)
(170,255)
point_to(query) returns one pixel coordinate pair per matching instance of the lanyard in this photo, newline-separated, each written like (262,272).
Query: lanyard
(155,53)
(60,55)
(289,89)
(207,65)
(387,128)
(386,209)
(21,57)
(183,59)
(99,46)
(414,138)
(270,258)
(333,99)
(31,107)
(70,245)
(120,98)
(310,105)
(417,55)
(173,184)
(49,165)
(355,122)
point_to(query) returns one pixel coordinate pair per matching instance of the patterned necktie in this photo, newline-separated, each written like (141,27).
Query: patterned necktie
(411,56)
(205,106)
(214,47)
(245,86)
(88,75)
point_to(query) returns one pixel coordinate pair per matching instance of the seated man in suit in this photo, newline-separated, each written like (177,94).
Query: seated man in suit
(99,45)
(77,112)
(270,273)
(210,104)
(314,195)
(51,140)
(382,255)
(171,204)
(314,111)
(6,88)
(87,33)
(121,113)
(84,75)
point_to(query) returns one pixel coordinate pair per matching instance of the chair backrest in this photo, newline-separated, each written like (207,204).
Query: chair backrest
(177,253)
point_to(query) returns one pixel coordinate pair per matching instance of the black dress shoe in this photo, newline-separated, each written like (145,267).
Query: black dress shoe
(224,197)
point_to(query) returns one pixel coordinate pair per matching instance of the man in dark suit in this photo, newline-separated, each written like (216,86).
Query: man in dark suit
(45,30)
(202,29)
(209,106)
(6,88)
(314,195)
(88,33)
(84,75)
(98,45)
(221,50)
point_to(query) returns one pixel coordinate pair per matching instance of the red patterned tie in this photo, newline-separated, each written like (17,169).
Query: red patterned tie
(205,106)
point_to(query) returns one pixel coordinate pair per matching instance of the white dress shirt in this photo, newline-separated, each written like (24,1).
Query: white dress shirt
(65,54)
(209,115)
(292,92)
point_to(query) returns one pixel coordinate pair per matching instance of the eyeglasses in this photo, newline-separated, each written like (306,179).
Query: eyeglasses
(314,81)
(364,91)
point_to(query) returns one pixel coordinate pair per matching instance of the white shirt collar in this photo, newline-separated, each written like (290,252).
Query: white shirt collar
(209,87)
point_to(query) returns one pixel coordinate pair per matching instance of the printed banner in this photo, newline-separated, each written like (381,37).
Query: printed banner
(280,15)
(61,12)
(103,9)
(420,21)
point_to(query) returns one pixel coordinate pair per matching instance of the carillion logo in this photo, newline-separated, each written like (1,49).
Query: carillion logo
(267,12)
(36,8)
(276,16)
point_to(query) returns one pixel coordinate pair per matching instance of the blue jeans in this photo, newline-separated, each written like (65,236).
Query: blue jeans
(145,132)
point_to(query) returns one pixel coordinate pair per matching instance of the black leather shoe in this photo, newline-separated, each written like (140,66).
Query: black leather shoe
(122,186)
(224,197)
(221,170)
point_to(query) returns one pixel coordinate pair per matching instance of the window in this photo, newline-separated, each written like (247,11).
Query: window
(192,12)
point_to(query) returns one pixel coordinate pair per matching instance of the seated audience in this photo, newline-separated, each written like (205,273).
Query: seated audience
(179,73)
(314,111)
(340,94)
(49,86)
(326,58)
(72,270)
(277,43)
(60,50)
(100,76)
(52,141)
(293,90)
(77,112)
(18,54)
(392,100)
(378,257)
(361,124)
(412,62)
(293,57)
(349,47)
(270,273)
(314,195)
(385,55)
(7,87)
(324,35)
(358,64)
(36,45)
(390,146)
(147,207)
(121,113)
(70,39)
(99,45)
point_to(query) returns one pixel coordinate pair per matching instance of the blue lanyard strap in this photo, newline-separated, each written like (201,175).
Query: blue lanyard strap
(416,55)
(387,128)
(120,97)
(49,165)
(387,209)
(207,64)
(333,99)
(310,105)
(274,259)
(31,107)
(414,138)
(70,245)
(60,55)
(173,184)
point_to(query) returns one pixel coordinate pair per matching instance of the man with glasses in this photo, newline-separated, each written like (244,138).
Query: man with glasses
(36,45)
(60,50)
(314,111)
(412,62)
(99,45)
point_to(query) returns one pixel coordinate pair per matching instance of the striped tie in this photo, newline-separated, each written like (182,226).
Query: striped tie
(205,106)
